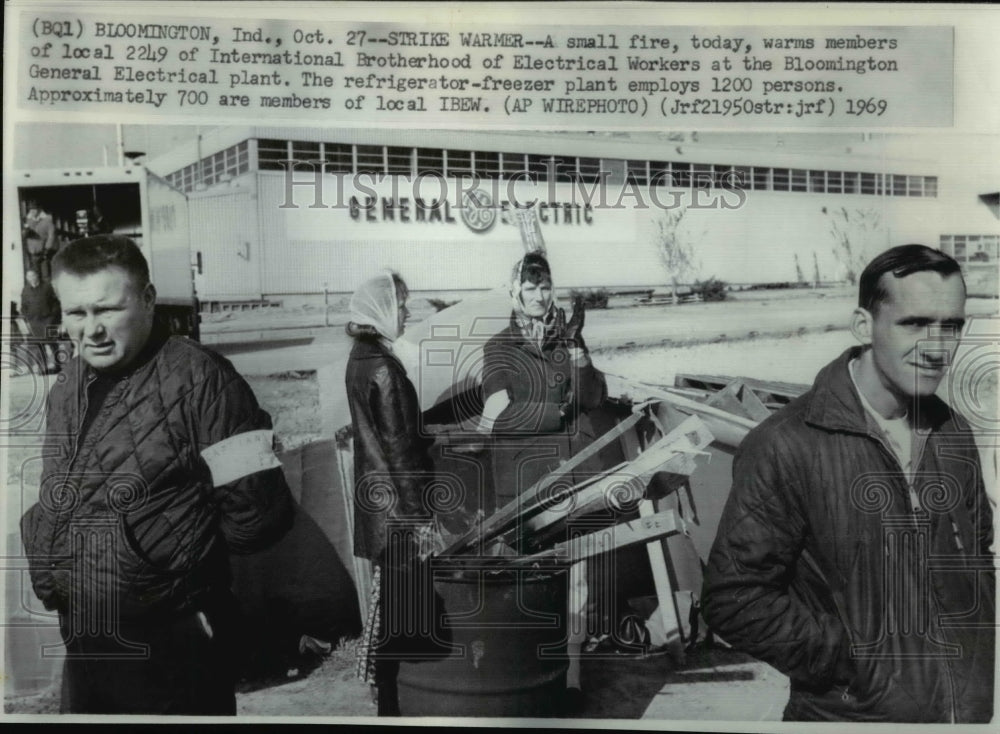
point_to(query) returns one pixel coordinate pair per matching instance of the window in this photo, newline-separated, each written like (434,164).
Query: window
(638,172)
(243,157)
(930,186)
(542,167)
(741,177)
(337,158)
(430,161)
(959,245)
(589,169)
(701,175)
(800,179)
(399,160)
(458,163)
(868,184)
(898,185)
(371,160)
(851,185)
(512,164)
(488,164)
(915,185)
(272,155)
(303,152)
(761,178)
(780,179)
(834,182)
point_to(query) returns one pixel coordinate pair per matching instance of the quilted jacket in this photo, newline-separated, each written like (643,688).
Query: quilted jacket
(128,518)
(823,568)
(392,464)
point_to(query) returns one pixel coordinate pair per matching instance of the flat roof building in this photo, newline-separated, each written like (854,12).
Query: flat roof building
(281,210)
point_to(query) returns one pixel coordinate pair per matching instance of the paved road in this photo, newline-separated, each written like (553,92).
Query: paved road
(638,326)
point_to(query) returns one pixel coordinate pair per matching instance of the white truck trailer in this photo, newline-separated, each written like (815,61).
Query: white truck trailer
(129,201)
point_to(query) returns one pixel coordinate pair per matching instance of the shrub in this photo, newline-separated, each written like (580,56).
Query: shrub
(712,289)
(592,298)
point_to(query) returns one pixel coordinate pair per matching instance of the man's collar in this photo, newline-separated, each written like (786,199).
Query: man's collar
(836,404)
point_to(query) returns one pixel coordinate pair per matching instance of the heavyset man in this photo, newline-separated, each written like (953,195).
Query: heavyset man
(158,463)
(854,553)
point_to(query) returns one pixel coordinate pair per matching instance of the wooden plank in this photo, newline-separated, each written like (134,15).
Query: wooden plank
(669,617)
(753,406)
(728,399)
(532,499)
(644,529)
(629,479)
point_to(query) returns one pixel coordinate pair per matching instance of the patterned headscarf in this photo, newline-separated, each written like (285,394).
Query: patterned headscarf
(535,329)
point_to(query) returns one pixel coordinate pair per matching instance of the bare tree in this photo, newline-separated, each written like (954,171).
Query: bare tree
(856,233)
(799,276)
(675,246)
(816,276)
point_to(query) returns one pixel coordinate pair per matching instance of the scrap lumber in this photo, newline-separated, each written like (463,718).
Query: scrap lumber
(641,530)
(669,617)
(534,499)
(674,453)
(739,399)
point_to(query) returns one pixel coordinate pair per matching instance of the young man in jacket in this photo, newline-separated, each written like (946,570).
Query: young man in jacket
(854,553)
(158,463)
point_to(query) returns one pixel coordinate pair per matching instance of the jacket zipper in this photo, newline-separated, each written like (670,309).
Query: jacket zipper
(915,506)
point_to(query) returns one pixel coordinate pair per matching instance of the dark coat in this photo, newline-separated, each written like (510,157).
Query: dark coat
(39,307)
(392,464)
(822,568)
(136,492)
(546,421)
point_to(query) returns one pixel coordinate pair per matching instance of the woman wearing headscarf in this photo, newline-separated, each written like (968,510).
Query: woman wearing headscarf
(538,385)
(392,467)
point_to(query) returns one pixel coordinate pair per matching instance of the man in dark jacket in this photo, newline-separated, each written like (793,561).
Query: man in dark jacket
(40,308)
(158,463)
(854,553)
(40,239)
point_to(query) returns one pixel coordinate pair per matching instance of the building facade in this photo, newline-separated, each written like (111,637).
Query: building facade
(302,210)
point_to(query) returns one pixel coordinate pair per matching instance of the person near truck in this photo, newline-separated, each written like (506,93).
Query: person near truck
(40,309)
(39,234)
(854,553)
(158,464)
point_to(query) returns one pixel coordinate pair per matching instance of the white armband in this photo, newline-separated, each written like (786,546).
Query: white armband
(240,455)
(492,408)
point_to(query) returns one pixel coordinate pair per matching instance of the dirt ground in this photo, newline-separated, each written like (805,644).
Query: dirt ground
(712,684)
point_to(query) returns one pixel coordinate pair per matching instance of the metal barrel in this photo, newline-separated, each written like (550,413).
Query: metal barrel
(506,657)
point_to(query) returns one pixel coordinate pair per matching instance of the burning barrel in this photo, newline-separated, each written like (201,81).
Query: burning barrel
(506,652)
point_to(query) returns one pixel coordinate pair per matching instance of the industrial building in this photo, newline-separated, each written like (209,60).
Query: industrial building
(296,211)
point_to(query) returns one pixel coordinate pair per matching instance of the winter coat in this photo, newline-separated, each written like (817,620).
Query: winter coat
(39,307)
(822,568)
(392,463)
(128,516)
(42,234)
(546,420)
